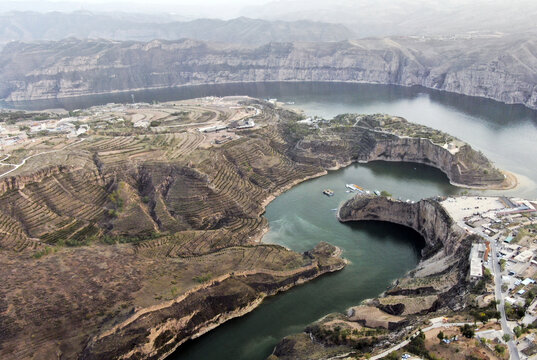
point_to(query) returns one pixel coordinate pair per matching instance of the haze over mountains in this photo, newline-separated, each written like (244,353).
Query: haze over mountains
(32,26)
(408,17)
(258,23)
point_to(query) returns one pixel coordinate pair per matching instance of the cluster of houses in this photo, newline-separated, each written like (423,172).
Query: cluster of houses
(242,124)
(19,133)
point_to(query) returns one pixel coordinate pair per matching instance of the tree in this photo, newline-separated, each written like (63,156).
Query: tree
(467,331)
(385,193)
(506,337)
(440,336)
(500,349)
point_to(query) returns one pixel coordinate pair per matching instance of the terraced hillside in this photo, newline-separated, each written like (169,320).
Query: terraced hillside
(143,231)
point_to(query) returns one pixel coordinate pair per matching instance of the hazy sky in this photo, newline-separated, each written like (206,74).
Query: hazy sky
(188,8)
(201,5)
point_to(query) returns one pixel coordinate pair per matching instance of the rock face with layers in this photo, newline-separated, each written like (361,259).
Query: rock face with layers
(427,217)
(499,68)
(365,138)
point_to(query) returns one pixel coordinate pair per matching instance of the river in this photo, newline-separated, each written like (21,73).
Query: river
(300,218)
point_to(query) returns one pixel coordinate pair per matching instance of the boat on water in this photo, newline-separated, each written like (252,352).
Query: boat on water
(328,192)
(354,187)
(377,192)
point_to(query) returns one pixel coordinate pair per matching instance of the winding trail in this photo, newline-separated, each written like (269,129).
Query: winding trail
(16,166)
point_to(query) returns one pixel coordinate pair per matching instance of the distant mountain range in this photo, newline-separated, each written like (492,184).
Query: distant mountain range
(33,26)
(503,68)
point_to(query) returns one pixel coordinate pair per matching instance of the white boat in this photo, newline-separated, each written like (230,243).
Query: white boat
(354,187)
(377,192)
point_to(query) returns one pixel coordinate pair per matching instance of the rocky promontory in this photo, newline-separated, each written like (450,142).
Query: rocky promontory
(427,217)
(500,68)
(363,138)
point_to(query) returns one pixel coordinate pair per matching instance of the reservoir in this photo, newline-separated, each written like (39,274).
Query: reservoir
(300,218)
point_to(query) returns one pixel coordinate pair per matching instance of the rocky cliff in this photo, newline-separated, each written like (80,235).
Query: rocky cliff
(367,138)
(427,217)
(500,68)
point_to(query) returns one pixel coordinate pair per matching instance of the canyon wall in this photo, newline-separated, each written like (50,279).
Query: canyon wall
(500,68)
(463,167)
(427,217)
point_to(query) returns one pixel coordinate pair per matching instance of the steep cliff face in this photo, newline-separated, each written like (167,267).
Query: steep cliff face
(427,217)
(501,68)
(367,140)
(466,167)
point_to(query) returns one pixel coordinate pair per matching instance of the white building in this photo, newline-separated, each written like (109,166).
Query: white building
(476,261)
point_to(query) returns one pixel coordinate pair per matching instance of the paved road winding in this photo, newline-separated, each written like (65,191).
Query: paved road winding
(16,166)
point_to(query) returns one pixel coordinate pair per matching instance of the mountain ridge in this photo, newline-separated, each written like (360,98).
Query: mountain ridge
(500,68)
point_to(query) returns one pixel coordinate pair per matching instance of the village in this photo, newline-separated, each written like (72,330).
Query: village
(504,262)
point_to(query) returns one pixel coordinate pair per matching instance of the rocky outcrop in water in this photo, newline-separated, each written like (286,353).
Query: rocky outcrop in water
(446,251)
(500,68)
